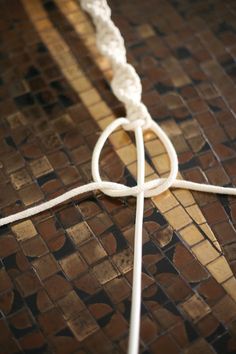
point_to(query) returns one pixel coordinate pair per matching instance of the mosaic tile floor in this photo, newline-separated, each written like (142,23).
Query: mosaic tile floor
(65,276)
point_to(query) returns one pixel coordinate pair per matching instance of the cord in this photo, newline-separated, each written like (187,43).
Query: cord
(127,87)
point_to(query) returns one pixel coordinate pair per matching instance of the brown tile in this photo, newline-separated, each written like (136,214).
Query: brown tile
(194,272)
(45,266)
(100,223)
(118,289)
(71,305)
(200,346)
(149,329)
(214,213)
(83,326)
(88,208)
(124,260)
(48,228)
(166,317)
(41,167)
(6,283)
(87,283)
(165,343)
(73,266)
(69,175)
(92,251)
(57,286)
(24,230)
(225,309)
(13,163)
(80,233)
(32,341)
(31,194)
(208,325)
(8,245)
(20,178)
(195,308)
(105,272)
(211,291)
(28,283)
(43,301)
(34,247)
(116,327)
(51,321)
(69,216)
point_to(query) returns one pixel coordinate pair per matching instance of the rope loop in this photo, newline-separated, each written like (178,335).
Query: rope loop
(151,188)
(126,85)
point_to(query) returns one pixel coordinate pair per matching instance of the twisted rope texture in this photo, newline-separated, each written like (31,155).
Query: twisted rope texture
(126,85)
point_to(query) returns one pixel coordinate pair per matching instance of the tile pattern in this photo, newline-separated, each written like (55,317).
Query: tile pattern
(65,276)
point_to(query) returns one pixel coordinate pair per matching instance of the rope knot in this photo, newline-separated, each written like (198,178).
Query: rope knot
(138,109)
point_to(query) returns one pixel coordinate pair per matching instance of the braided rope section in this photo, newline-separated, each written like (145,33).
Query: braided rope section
(126,83)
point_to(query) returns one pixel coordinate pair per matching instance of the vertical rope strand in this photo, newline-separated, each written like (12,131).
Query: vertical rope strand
(137,268)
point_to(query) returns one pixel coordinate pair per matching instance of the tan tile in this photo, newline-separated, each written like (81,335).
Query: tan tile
(90,97)
(205,252)
(81,84)
(103,63)
(83,326)
(72,72)
(133,169)
(151,177)
(41,167)
(43,24)
(207,230)
(220,269)
(84,28)
(31,194)
(149,135)
(170,126)
(17,119)
(191,235)
(184,197)
(73,265)
(124,260)
(99,110)
(230,287)
(104,122)
(63,58)
(80,232)
(24,230)
(105,272)
(76,17)
(45,266)
(146,31)
(70,6)
(119,139)
(92,251)
(71,305)
(165,201)
(155,147)
(177,217)
(20,179)
(180,78)
(196,214)
(162,163)
(195,308)
(127,154)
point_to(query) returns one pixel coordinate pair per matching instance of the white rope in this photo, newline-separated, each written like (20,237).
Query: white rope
(127,87)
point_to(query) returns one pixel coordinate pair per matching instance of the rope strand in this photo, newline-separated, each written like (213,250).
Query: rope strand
(127,87)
